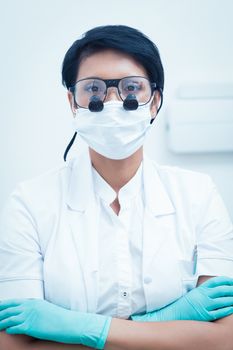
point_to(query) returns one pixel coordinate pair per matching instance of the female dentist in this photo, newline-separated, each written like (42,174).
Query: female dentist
(101,251)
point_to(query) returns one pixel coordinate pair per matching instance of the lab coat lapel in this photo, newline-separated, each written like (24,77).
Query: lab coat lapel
(83,217)
(160,268)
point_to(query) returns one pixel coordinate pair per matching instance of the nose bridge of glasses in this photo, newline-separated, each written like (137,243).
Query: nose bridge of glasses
(112,89)
(112,82)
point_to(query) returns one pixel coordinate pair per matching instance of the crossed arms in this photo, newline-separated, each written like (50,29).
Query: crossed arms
(128,335)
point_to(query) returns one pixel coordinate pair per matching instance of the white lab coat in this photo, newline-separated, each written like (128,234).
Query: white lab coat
(49,243)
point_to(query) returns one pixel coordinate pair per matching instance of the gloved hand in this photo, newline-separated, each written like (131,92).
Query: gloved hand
(212,300)
(41,319)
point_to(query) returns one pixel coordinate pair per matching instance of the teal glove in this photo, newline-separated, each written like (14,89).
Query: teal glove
(41,319)
(212,300)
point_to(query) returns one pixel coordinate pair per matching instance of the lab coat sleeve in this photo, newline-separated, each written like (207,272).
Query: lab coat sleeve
(21,261)
(214,236)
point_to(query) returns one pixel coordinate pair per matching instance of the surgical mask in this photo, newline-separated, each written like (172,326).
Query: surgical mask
(114,132)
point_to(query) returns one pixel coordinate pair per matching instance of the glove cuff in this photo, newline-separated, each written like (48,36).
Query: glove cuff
(104,334)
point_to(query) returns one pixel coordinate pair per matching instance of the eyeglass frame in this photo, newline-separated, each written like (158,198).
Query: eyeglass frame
(115,83)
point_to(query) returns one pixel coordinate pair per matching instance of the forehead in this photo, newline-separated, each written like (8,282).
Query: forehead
(107,64)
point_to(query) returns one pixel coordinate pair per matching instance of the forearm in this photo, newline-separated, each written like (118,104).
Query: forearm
(14,342)
(48,345)
(127,335)
(175,335)
(24,342)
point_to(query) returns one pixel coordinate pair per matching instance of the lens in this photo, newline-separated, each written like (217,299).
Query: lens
(87,88)
(138,86)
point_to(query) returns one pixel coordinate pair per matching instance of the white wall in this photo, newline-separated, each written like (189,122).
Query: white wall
(195,42)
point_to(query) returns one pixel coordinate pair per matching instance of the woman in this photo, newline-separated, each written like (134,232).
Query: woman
(111,239)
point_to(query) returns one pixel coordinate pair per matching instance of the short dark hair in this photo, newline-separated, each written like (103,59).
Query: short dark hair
(121,38)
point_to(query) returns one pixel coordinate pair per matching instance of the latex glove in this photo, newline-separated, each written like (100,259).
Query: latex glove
(212,300)
(41,319)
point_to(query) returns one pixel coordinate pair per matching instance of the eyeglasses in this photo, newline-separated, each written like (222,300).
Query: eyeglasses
(85,89)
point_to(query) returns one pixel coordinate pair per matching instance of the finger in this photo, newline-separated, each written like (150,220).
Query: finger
(11,311)
(216,281)
(216,314)
(221,303)
(220,291)
(16,330)
(9,322)
(10,302)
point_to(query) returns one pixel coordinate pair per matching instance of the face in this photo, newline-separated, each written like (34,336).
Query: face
(110,64)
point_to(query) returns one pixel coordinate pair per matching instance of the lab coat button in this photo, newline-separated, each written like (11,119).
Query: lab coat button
(147,280)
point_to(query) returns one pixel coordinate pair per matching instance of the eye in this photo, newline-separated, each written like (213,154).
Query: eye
(91,88)
(132,86)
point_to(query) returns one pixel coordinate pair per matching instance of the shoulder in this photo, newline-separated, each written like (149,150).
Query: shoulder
(47,182)
(183,177)
(185,187)
(44,190)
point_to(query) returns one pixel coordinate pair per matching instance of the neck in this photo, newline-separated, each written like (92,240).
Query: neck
(116,172)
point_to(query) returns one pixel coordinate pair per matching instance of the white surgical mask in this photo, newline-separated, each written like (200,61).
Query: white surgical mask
(114,132)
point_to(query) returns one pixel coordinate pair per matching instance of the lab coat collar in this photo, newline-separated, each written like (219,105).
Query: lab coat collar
(80,186)
(81,189)
(83,219)
(156,196)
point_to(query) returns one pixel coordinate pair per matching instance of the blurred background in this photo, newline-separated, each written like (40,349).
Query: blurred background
(194,128)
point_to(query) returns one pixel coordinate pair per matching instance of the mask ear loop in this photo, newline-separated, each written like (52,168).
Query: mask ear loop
(72,140)
(161,102)
(69,146)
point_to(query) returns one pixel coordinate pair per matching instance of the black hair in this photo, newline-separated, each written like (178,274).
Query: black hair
(121,38)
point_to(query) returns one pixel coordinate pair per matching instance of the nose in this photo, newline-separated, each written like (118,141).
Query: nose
(112,94)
